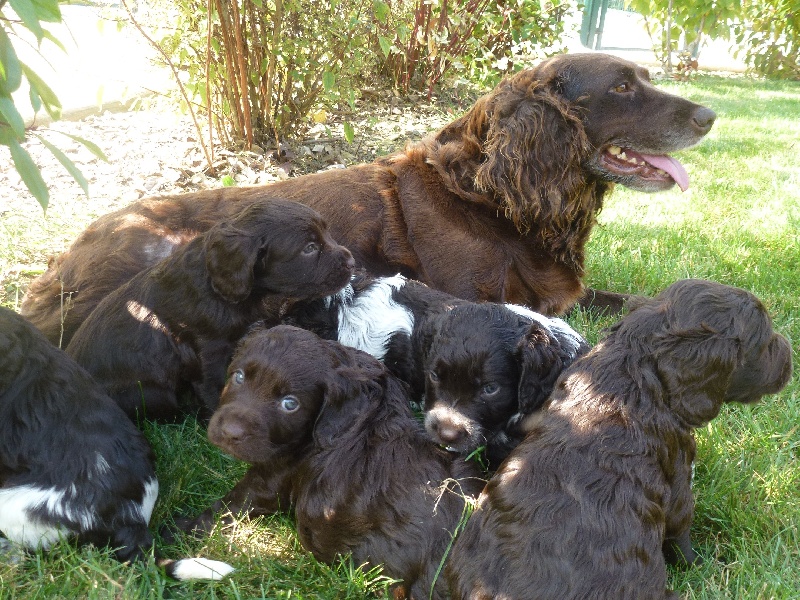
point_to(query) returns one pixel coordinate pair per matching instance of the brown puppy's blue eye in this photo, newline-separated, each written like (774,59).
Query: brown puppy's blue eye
(289,404)
(238,377)
(433,377)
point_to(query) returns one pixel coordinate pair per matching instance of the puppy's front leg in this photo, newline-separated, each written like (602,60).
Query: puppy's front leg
(677,546)
(260,492)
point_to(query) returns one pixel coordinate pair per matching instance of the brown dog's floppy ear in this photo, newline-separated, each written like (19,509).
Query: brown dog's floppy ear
(353,384)
(541,361)
(231,254)
(695,367)
(534,146)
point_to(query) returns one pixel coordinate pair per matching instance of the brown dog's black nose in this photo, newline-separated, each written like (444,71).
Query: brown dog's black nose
(703,119)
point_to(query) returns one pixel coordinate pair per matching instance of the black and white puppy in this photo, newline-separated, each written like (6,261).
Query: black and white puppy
(480,367)
(71,463)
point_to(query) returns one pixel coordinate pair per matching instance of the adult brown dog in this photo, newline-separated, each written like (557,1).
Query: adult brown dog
(498,205)
(583,508)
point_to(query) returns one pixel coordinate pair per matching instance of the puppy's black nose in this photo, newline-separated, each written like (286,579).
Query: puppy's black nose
(703,119)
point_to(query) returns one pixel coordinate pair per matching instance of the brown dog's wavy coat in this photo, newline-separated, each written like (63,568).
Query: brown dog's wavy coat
(498,205)
(329,431)
(175,325)
(583,508)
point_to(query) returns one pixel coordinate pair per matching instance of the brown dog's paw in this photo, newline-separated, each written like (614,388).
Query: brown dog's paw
(609,303)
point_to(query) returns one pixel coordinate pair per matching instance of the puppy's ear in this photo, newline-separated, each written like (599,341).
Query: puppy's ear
(541,361)
(231,255)
(695,367)
(354,383)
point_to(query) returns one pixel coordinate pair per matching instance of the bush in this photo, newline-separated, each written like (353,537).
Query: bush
(479,40)
(262,67)
(767,32)
(770,35)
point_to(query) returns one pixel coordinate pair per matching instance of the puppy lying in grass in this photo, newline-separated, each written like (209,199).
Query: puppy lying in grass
(173,327)
(329,432)
(71,464)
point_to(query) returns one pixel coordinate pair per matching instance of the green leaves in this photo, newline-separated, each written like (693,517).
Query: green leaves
(10,67)
(25,166)
(30,14)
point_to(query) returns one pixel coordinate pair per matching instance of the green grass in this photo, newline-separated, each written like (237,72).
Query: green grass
(739,223)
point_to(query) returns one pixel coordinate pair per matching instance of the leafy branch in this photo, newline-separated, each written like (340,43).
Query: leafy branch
(31,15)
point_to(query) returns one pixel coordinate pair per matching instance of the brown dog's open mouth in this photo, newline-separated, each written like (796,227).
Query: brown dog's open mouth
(651,167)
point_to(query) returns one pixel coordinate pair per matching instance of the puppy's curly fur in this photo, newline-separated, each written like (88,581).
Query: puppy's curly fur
(584,507)
(174,326)
(71,464)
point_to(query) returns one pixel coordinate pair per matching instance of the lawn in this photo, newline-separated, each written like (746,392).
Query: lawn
(739,223)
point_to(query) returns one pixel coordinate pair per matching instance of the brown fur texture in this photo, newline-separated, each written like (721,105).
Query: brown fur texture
(330,432)
(583,508)
(173,327)
(497,206)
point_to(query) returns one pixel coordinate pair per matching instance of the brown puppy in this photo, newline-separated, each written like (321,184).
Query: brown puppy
(584,506)
(329,431)
(175,325)
(497,206)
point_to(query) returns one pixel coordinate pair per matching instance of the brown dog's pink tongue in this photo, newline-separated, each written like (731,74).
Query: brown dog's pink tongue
(671,166)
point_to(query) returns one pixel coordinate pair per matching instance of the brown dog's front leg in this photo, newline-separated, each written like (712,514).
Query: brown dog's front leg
(610,303)
(260,492)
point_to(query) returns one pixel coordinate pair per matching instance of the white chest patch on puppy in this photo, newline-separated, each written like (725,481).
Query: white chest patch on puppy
(368,321)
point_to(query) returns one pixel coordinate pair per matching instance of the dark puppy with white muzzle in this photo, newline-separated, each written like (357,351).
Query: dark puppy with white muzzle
(481,367)
(173,327)
(71,463)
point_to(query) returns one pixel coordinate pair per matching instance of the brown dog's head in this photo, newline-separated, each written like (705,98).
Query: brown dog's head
(276,247)
(711,343)
(287,388)
(630,124)
(486,366)
(547,143)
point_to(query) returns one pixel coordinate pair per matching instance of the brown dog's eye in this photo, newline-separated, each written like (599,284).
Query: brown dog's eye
(433,377)
(311,248)
(237,377)
(490,389)
(622,88)
(289,404)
